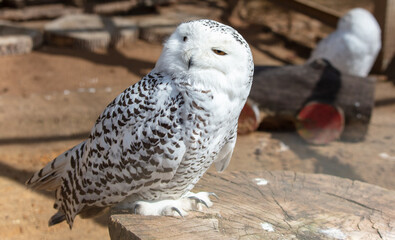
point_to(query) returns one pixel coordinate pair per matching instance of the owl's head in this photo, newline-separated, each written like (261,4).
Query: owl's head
(362,23)
(208,55)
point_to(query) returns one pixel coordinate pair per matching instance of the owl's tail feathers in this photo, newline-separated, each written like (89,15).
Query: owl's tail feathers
(50,177)
(57,218)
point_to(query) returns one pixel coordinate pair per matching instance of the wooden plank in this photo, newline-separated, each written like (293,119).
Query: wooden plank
(273,205)
(384,12)
(311,9)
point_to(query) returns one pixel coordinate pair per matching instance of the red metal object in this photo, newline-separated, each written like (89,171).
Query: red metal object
(320,123)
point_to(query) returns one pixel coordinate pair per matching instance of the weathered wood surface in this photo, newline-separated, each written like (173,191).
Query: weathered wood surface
(91,32)
(311,9)
(281,92)
(15,39)
(384,11)
(273,205)
(159,28)
(116,7)
(48,11)
(112,7)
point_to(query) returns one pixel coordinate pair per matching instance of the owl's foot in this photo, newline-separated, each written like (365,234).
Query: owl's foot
(179,207)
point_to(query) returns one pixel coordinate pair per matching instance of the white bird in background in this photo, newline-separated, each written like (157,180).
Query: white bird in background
(153,143)
(355,44)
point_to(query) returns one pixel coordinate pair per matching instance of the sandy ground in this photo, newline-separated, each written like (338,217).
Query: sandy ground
(50,99)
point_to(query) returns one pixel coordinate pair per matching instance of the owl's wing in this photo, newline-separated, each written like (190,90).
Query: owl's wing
(329,47)
(224,156)
(136,142)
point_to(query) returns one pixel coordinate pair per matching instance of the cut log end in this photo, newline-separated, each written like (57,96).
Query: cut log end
(15,39)
(320,123)
(91,32)
(249,118)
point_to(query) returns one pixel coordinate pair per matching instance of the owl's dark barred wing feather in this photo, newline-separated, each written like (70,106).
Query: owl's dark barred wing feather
(135,144)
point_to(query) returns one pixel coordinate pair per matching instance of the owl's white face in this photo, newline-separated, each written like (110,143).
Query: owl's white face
(208,55)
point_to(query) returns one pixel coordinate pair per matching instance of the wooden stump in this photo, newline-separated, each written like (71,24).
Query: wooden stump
(273,205)
(281,92)
(91,32)
(18,40)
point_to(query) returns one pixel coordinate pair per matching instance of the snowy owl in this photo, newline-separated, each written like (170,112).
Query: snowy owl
(355,44)
(153,142)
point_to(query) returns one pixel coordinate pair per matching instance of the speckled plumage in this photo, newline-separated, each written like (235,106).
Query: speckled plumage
(157,138)
(355,44)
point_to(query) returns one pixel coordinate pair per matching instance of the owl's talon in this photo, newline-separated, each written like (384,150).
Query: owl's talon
(136,207)
(198,200)
(214,195)
(204,203)
(171,207)
(178,211)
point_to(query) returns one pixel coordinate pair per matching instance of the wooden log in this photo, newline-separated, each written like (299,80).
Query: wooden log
(15,3)
(48,11)
(273,205)
(157,29)
(24,3)
(91,32)
(311,9)
(281,92)
(15,39)
(114,7)
(249,119)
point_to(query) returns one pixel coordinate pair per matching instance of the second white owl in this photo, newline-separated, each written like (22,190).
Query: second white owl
(355,44)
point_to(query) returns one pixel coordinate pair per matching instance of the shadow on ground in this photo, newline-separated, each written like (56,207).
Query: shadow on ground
(112,57)
(43,139)
(20,176)
(324,164)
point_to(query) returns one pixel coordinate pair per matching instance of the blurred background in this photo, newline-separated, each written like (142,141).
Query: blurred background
(62,62)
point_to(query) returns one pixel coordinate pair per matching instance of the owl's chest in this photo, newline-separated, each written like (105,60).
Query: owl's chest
(205,133)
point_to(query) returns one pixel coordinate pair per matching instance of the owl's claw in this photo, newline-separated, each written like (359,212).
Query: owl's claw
(198,200)
(172,207)
(214,195)
(136,208)
(178,211)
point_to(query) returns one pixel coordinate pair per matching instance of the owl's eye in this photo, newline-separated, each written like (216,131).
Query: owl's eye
(185,39)
(219,52)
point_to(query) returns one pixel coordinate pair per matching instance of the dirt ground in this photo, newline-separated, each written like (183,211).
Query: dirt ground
(50,98)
